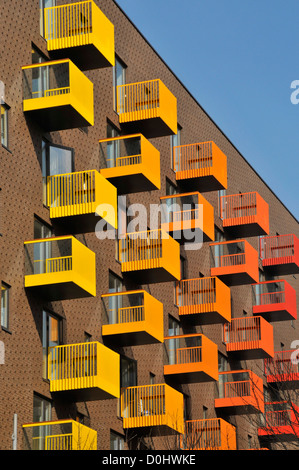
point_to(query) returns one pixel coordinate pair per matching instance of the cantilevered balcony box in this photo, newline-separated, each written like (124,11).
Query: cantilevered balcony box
(59,268)
(274,300)
(283,369)
(190,358)
(234,262)
(245,214)
(280,254)
(204,301)
(158,407)
(188,217)
(81,32)
(280,422)
(83,372)
(150,256)
(147,107)
(200,166)
(62,434)
(132,163)
(249,338)
(57,95)
(240,392)
(208,434)
(132,318)
(78,200)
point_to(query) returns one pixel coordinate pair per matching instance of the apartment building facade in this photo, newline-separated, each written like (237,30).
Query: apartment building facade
(148,274)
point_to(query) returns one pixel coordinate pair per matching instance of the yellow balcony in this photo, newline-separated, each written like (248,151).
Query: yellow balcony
(150,256)
(157,405)
(81,32)
(188,217)
(79,200)
(59,268)
(209,434)
(132,318)
(132,163)
(147,107)
(63,434)
(84,371)
(190,358)
(57,95)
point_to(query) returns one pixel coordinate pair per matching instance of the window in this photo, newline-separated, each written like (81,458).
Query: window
(4,125)
(4,306)
(42,5)
(42,411)
(52,333)
(221,192)
(171,189)
(113,148)
(56,160)
(119,78)
(175,141)
(205,412)
(41,230)
(117,441)
(183,267)
(152,378)
(128,372)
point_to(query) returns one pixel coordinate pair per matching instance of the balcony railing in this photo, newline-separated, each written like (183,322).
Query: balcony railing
(131,163)
(190,358)
(283,369)
(208,434)
(60,268)
(57,95)
(79,199)
(206,300)
(152,256)
(280,254)
(147,107)
(249,337)
(152,405)
(200,166)
(280,421)
(274,300)
(81,32)
(132,318)
(245,214)
(188,217)
(84,371)
(58,435)
(240,392)
(234,262)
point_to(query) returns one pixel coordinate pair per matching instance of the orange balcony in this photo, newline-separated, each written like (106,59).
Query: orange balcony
(201,166)
(132,163)
(240,392)
(147,107)
(274,300)
(208,434)
(249,338)
(205,300)
(132,318)
(187,217)
(150,406)
(283,369)
(280,421)
(234,262)
(190,358)
(280,254)
(245,214)
(150,256)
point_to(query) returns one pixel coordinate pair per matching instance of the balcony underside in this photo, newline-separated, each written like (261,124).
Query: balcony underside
(81,223)
(185,234)
(150,275)
(273,313)
(131,183)
(281,267)
(279,433)
(233,279)
(239,409)
(248,354)
(58,118)
(59,291)
(150,128)
(82,394)
(162,430)
(199,183)
(285,381)
(128,338)
(241,230)
(86,57)
(186,373)
(194,316)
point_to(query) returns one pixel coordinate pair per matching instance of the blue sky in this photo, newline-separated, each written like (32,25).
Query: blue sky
(238,59)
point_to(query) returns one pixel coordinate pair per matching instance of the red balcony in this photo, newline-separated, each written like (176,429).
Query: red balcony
(234,262)
(245,214)
(280,254)
(240,392)
(274,300)
(283,369)
(249,338)
(281,421)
